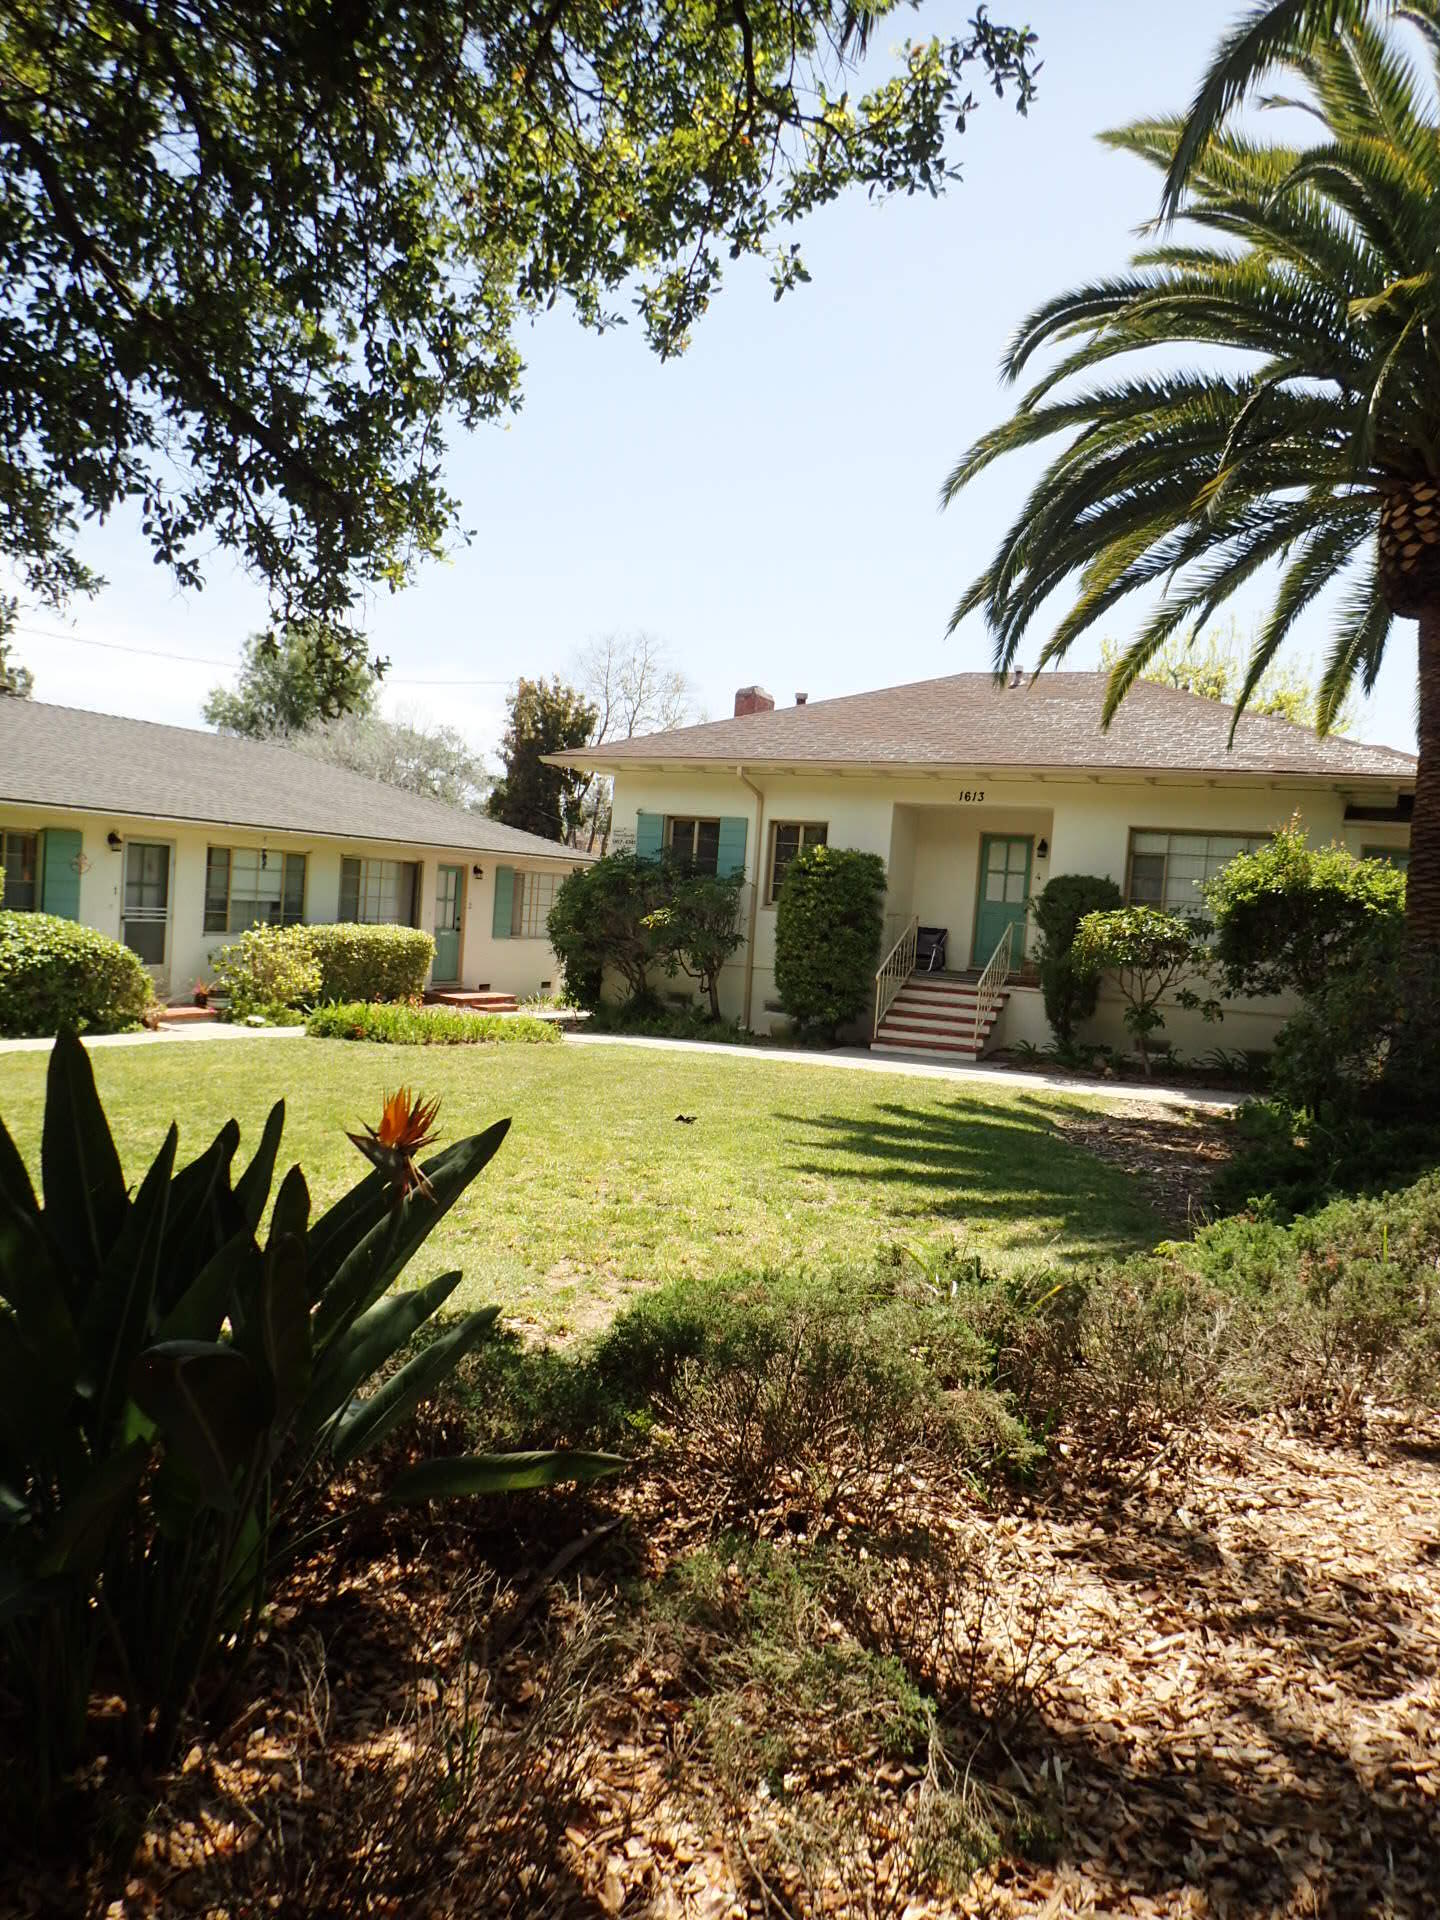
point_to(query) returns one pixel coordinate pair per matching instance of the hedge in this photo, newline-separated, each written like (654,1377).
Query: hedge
(370,963)
(828,926)
(55,973)
(405,1026)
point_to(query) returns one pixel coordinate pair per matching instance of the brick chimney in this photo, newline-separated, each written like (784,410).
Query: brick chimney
(801,698)
(753,700)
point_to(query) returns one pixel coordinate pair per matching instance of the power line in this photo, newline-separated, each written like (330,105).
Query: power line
(207,660)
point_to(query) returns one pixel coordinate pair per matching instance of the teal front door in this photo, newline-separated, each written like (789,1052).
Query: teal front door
(1004,894)
(449,901)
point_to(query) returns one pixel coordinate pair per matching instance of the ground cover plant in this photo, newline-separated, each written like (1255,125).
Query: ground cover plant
(403,1025)
(607,1188)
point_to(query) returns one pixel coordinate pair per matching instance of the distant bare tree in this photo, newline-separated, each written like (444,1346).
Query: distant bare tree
(635,688)
(405,752)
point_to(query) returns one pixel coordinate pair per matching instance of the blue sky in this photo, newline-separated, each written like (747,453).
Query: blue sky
(767,504)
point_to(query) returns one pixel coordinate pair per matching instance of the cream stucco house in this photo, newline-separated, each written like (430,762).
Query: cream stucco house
(175,840)
(974,794)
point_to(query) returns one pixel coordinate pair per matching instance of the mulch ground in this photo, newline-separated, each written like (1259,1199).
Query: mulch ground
(1236,1712)
(1176,1152)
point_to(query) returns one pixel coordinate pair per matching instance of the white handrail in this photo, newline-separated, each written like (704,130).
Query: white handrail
(894,970)
(990,987)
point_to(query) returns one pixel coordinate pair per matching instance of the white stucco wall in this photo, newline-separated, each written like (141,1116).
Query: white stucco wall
(515,965)
(930,839)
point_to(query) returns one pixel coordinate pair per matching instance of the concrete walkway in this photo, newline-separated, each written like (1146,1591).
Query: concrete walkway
(861,1060)
(855,1059)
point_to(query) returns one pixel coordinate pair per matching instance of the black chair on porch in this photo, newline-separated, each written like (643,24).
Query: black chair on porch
(930,949)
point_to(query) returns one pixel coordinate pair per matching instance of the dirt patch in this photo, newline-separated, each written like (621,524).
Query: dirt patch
(1175,1153)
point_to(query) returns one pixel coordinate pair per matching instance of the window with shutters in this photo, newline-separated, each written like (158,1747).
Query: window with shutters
(252,887)
(530,904)
(787,838)
(379,893)
(20,857)
(1169,870)
(696,843)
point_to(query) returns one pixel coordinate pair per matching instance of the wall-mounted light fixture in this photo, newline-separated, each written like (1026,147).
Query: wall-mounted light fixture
(479,872)
(1042,849)
(113,841)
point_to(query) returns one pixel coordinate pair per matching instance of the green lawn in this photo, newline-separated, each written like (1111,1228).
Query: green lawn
(600,1188)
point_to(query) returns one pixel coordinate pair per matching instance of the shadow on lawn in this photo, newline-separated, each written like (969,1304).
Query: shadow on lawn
(991,1163)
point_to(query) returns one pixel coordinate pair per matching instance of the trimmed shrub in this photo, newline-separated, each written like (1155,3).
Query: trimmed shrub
(370,963)
(828,927)
(1151,954)
(1071,992)
(55,974)
(266,968)
(407,1026)
(1289,916)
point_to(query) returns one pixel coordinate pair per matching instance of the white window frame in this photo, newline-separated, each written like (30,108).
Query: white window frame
(694,822)
(371,888)
(265,859)
(530,902)
(37,835)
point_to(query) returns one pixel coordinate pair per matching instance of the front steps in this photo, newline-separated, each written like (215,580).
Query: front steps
(481,1000)
(937,1014)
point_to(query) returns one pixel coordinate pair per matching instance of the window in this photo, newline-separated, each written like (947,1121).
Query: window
(1397,857)
(248,887)
(530,904)
(1169,870)
(787,838)
(696,842)
(379,892)
(20,857)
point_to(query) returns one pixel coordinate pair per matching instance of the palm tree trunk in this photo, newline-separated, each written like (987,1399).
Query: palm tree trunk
(1422,913)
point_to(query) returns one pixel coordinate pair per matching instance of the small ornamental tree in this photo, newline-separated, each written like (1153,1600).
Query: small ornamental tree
(828,925)
(1070,992)
(698,928)
(1289,915)
(1151,954)
(600,920)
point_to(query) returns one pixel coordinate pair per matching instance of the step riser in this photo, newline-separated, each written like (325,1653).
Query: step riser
(956,1056)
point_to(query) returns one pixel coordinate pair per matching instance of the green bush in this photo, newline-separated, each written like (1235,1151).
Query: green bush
(56,974)
(651,1021)
(600,922)
(267,968)
(1150,954)
(1289,917)
(828,927)
(406,1026)
(169,1387)
(1070,992)
(370,963)
(698,926)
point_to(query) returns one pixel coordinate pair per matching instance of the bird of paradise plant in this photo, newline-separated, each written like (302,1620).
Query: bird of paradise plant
(406,1126)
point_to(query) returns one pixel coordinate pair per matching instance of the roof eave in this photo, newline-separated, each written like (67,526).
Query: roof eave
(944,769)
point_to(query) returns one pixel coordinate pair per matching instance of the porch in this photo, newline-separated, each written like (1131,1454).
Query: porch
(968,874)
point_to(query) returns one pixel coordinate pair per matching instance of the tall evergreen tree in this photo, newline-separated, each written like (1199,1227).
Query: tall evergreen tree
(545,716)
(289,684)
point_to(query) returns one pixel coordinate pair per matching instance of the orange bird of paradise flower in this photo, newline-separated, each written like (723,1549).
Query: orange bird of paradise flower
(405,1128)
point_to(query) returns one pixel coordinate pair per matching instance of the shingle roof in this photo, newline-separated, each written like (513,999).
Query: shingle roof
(101,763)
(1051,721)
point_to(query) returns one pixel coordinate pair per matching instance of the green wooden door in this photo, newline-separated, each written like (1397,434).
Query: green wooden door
(1004,893)
(449,901)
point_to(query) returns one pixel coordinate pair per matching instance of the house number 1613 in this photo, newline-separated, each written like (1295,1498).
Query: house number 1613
(972,794)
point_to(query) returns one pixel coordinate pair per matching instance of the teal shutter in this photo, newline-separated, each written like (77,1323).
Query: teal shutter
(61,881)
(730,857)
(504,902)
(649,833)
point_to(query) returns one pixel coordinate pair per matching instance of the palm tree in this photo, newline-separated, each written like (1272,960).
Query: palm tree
(1320,450)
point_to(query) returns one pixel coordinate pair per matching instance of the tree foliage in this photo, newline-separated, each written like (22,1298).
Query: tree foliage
(601,921)
(828,924)
(1289,915)
(1214,666)
(289,684)
(545,716)
(1316,260)
(257,257)
(698,926)
(437,762)
(16,682)
(1150,954)
(1070,991)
